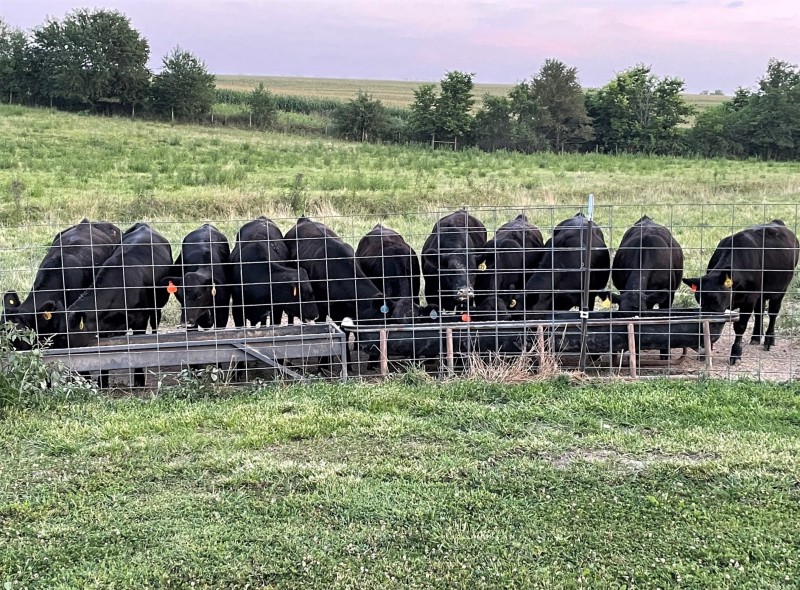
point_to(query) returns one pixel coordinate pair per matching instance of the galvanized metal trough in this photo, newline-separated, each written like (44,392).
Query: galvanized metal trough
(560,333)
(270,345)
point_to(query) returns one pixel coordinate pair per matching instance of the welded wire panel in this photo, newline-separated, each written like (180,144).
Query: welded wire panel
(488,291)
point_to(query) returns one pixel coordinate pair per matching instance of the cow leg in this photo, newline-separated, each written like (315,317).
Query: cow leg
(739,327)
(758,313)
(103,379)
(774,310)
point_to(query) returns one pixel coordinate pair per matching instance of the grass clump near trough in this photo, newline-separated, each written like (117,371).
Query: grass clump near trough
(658,484)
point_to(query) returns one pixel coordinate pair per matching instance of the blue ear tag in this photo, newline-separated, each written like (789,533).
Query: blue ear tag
(434,315)
(384,308)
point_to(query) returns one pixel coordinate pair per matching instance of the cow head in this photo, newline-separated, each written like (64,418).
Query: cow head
(292,291)
(457,276)
(714,291)
(82,328)
(405,309)
(633,301)
(46,319)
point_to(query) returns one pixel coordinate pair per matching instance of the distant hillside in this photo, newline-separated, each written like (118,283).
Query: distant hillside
(391,92)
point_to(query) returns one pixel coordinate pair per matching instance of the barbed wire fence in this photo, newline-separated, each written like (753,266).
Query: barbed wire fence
(298,305)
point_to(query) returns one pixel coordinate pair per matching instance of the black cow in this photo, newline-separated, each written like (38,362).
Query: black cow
(647,267)
(200,278)
(128,292)
(747,270)
(450,260)
(506,263)
(387,259)
(558,283)
(67,269)
(265,284)
(340,286)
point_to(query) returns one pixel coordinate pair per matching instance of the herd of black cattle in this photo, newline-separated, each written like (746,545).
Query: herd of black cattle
(97,280)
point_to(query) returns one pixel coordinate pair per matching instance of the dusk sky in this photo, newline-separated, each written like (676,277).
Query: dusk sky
(711,44)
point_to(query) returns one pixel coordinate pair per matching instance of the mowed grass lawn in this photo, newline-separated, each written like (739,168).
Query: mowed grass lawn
(407,484)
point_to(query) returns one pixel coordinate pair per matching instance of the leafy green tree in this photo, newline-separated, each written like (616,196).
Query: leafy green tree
(362,118)
(524,109)
(92,56)
(638,112)
(13,48)
(184,88)
(493,126)
(422,121)
(262,106)
(774,113)
(454,106)
(561,116)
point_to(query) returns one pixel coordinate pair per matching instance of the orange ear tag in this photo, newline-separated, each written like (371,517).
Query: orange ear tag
(465,317)
(171,288)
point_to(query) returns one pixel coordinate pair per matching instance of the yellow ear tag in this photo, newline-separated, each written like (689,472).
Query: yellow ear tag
(294,291)
(81,326)
(513,303)
(11,302)
(606,304)
(728,282)
(482,266)
(47,316)
(214,291)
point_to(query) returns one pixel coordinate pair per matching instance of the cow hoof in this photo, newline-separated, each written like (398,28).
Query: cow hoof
(768,342)
(733,359)
(755,340)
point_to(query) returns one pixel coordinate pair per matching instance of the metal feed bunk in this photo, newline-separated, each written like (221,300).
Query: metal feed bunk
(449,341)
(273,346)
(561,334)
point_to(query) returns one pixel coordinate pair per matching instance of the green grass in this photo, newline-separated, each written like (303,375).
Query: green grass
(655,484)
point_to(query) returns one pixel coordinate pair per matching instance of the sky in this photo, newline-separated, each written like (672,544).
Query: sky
(710,44)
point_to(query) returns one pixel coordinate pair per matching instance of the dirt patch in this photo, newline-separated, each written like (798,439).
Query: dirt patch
(780,363)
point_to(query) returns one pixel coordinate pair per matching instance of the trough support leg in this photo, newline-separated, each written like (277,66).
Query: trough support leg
(384,354)
(540,345)
(449,350)
(632,351)
(707,345)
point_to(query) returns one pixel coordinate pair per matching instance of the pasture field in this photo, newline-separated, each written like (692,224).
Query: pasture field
(56,168)
(393,93)
(409,484)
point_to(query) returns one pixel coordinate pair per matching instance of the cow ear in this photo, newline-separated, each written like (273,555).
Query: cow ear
(46,310)
(693,284)
(11,300)
(174,279)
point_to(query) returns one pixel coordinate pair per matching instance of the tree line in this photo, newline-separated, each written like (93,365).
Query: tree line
(95,60)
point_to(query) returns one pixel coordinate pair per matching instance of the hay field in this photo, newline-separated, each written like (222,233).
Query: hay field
(396,93)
